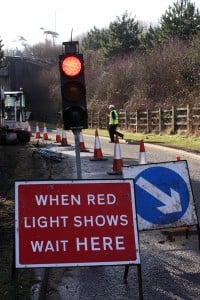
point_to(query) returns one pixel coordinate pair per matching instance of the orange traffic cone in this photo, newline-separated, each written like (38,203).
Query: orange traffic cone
(58,136)
(178,157)
(98,155)
(45,135)
(64,138)
(37,131)
(81,143)
(29,129)
(142,154)
(117,162)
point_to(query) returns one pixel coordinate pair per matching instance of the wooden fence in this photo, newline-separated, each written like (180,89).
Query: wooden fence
(172,120)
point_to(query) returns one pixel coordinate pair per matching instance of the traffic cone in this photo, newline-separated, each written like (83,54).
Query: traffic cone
(29,129)
(58,136)
(98,155)
(81,143)
(142,154)
(178,157)
(64,138)
(37,131)
(117,162)
(45,135)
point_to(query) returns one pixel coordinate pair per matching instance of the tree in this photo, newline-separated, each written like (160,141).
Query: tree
(53,34)
(123,36)
(149,38)
(44,51)
(1,52)
(182,20)
(94,39)
(22,40)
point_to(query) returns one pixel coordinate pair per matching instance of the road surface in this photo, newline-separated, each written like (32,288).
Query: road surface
(169,261)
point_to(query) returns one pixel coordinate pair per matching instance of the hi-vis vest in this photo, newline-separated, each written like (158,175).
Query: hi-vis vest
(113,121)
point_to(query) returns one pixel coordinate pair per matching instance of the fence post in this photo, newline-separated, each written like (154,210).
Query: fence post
(160,121)
(148,122)
(173,119)
(188,118)
(126,124)
(136,121)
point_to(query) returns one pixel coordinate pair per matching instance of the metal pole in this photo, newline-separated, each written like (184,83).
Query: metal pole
(126,273)
(76,133)
(140,282)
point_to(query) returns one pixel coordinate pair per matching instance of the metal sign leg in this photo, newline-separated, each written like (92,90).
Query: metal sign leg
(126,273)
(140,282)
(139,271)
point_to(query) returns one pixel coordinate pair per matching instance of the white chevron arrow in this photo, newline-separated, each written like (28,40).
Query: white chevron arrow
(171,204)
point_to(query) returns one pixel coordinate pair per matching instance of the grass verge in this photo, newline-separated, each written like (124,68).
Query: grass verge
(188,143)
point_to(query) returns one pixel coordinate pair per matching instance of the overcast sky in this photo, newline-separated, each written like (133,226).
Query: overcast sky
(26,18)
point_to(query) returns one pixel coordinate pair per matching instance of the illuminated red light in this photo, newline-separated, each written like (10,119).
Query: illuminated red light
(71,66)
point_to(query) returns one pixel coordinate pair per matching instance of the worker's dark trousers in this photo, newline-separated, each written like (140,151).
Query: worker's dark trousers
(112,131)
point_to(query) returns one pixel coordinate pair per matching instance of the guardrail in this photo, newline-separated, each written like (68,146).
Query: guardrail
(172,120)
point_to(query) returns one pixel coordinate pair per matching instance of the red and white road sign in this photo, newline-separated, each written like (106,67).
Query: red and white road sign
(75,223)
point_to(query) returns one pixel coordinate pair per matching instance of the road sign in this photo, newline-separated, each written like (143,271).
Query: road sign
(163,195)
(75,223)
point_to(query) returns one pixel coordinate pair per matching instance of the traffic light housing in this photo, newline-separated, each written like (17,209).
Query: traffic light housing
(73,89)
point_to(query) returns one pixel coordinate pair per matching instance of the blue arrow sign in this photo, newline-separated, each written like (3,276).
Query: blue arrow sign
(162,195)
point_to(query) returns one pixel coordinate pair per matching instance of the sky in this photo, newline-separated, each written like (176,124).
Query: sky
(30,19)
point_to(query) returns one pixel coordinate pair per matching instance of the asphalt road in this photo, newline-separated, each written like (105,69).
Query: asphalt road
(170,262)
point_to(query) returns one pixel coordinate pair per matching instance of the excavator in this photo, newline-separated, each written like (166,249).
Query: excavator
(13,118)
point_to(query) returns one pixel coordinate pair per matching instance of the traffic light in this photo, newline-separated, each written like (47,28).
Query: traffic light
(73,90)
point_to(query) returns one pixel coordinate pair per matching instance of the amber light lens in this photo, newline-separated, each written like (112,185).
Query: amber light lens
(73,91)
(71,66)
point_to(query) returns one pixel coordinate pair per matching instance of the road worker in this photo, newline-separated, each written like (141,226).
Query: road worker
(113,123)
